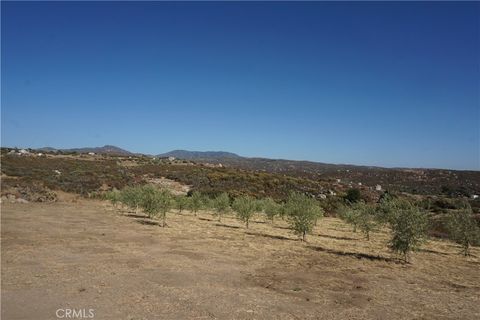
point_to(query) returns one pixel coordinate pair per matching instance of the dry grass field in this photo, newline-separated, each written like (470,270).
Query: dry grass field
(84,254)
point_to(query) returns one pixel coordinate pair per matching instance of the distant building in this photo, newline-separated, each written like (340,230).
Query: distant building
(171,158)
(475,196)
(91,153)
(378,187)
(339,180)
(359,183)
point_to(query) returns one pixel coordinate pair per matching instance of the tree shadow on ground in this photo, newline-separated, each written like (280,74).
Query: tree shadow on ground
(357,255)
(253,221)
(282,227)
(433,251)
(147,222)
(335,237)
(271,236)
(226,226)
(134,215)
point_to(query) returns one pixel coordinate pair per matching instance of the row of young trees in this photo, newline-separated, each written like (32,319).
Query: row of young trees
(407,222)
(299,210)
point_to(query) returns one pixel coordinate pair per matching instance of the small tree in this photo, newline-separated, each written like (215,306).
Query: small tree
(353,195)
(196,202)
(463,228)
(408,226)
(114,197)
(271,208)
(302,212)
(181,203)
(132,197)
(221,203)
(156,202)
(365,218)
(350,215)
(245,207)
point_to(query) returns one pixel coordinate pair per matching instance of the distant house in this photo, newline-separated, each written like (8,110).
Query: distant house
(378,187)
(91,153)
(475,196)
(171,158)
(339,180)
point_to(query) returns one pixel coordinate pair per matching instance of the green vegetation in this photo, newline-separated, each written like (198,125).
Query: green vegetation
(353,195)
(156,203)
(221,204)
(270,194)
(365,217)
(245,207)
(132,197)
(196,202)
(271,209)
(463,228)
(302,213)
(408,225)
(182,203)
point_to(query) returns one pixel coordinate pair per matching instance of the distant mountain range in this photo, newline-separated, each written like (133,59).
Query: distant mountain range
(107,149)
(427,181)
(198,155)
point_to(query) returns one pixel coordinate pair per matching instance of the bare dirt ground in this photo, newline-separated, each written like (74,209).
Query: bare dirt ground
(84,255)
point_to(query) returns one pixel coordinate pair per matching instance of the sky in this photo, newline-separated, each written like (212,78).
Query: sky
(370,83)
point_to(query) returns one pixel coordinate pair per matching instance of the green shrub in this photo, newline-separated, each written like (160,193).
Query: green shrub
(463,228)
(408,226)
(351,216)
(353,195)
(196,202)
(156,203)
(245,207)
(271,208)
(181,203)
(114,197)
(365,218)
(132,197)
(221,203)
(302,212)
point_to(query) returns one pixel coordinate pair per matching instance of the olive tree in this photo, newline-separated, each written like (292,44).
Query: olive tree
(302,213)
(408,227)
(363,216)
(157,203)
(132,197)
(245,207)
(181,203)
(114,197)
(271,208)
(350,215)
(221,204)
(196,201)
(463,228)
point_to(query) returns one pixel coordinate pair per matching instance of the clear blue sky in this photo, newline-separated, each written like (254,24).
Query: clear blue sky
(376,83)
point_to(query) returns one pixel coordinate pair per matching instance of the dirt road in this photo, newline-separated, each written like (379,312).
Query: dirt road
(85,255)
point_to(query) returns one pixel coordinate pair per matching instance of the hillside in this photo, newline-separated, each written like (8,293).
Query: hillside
(201,155)
(106,149)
